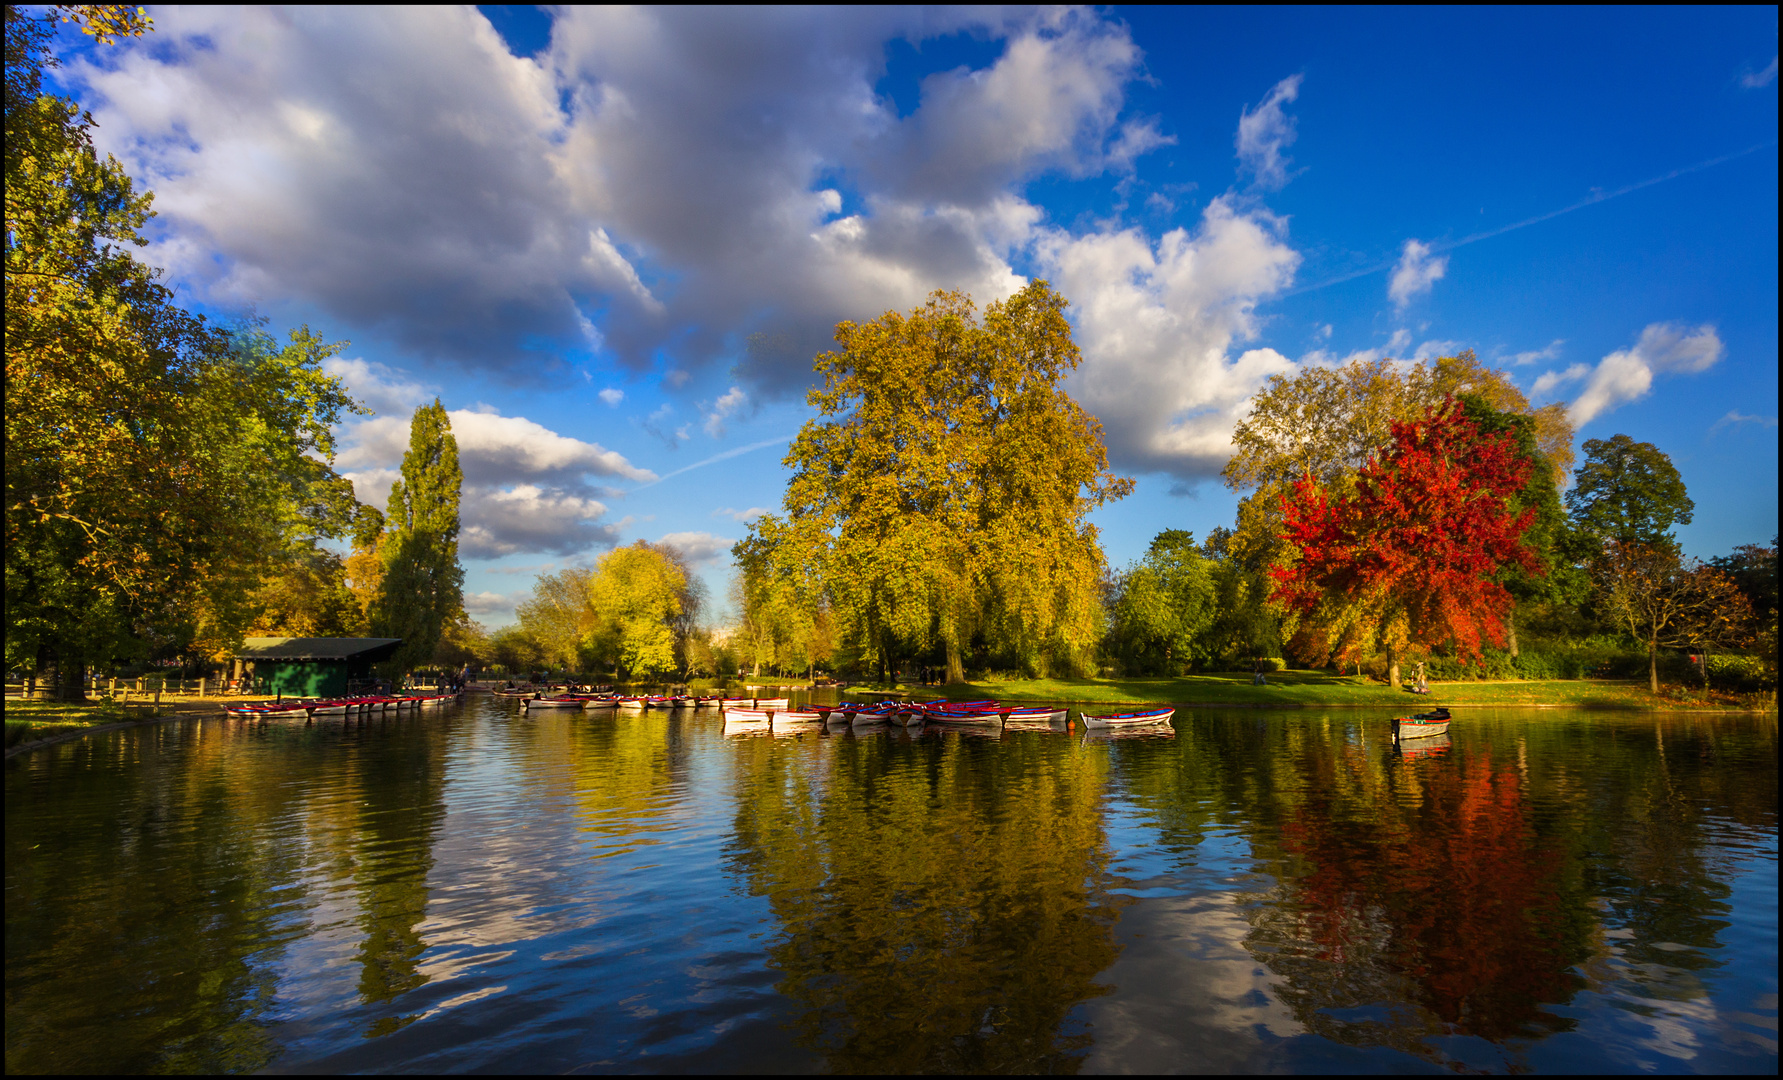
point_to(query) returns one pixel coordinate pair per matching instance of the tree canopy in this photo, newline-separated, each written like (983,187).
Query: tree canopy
(1629,492)
(155,462)
(1416,554)
(940,496)
(422,588)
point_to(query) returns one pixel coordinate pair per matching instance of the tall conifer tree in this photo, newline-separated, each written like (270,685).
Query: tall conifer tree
(423,585)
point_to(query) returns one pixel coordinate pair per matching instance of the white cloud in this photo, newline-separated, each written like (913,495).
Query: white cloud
(698,547)
(1264,134)
(612,396)
(1156,323)
(492,603)
(1627,374)
(379,387)
(742,515)
(1757,79)
(1735,418)
(725,406)
(526,487)
(1552,352)
(1415,273)
(400,170)
(1549,381)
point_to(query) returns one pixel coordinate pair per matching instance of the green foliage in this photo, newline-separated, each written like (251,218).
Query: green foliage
(1164,607)
(157,467)
(1628,492)
(423,585)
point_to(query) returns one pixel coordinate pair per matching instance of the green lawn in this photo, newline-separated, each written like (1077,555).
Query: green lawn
(28,721)
(1317,688)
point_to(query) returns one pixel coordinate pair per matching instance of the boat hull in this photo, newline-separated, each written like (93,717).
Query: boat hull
(1138,719)
(1409,729)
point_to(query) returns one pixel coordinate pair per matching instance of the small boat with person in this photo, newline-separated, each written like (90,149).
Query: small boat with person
(1423,725)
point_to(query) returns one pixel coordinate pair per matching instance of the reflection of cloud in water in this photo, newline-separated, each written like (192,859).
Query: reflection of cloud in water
(1193,998)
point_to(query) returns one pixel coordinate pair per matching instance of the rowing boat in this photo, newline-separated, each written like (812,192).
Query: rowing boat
(1132,719)
(1421,725)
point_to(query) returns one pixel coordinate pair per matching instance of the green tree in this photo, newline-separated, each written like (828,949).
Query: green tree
(942,493)
(156,465)
(556,617)
(423,586)
(1559,576)
(1165,606)
(1628,492)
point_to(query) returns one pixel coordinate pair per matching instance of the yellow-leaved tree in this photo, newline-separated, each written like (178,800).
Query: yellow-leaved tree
(939,499)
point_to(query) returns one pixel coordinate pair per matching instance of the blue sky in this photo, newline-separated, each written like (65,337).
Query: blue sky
(569,225)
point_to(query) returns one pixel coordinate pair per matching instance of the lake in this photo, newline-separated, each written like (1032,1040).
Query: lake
(474,889)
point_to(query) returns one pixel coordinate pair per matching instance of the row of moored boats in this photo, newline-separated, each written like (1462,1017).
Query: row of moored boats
(780,712)
(349,706)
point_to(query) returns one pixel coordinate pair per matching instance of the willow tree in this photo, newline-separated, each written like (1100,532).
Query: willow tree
(423,586)
(942,490)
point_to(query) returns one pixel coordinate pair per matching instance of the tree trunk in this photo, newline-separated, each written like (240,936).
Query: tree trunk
(1510,626)
(956,671)
(1393,666)
(1653,664)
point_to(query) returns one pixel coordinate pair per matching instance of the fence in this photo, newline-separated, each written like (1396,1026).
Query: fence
(156,685)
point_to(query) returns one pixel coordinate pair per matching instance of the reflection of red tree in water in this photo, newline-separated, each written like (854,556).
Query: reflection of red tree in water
(1449,887)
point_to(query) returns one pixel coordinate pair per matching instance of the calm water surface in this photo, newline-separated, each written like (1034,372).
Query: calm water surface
(477,890)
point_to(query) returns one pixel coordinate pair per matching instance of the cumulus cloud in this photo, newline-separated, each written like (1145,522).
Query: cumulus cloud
(1549,381)
(526,487)
(612,396)
(1264,134)
(1627,374)
(1157,323)
(378,387)
(658,184)
(1415,273)
(492,603)
(528,518)
(698,547)
(742,515)
(655,170)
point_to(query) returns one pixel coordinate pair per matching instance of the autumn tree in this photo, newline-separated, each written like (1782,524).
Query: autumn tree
(1164,607)
(941,494)
(1415,553)
(640,600)
(423,586)
(1328,422)
(556,617)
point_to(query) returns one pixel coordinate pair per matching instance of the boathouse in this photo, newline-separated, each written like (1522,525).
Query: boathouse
(313,666)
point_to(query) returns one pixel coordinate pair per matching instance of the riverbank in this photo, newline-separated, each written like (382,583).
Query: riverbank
(32,725)
(1291,689)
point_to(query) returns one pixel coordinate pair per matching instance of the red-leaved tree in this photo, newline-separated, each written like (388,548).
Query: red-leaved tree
(1413,555)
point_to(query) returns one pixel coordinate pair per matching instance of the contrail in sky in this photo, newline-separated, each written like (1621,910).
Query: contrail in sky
(715,458)
(1602,196)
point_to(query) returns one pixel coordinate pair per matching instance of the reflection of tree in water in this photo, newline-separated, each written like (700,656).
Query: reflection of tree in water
(1467,894)
(148,913)
(1434,889)
(939,899)
(627,773)
(398,780)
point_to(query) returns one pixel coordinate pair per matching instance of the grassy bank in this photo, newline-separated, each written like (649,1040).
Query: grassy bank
(1295,688)
(29,721)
